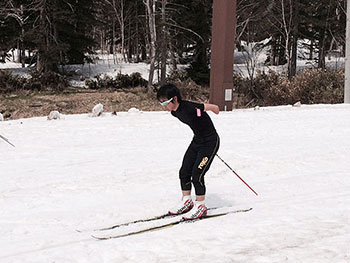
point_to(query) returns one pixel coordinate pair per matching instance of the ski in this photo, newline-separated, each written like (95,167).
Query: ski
(167,215)
(130,223)
(136,221)
(177,222)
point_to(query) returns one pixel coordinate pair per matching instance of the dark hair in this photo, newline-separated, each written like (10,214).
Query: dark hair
(169,91)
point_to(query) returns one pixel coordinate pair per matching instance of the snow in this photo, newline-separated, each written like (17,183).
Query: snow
(82,173)
(252,60)
(103,65)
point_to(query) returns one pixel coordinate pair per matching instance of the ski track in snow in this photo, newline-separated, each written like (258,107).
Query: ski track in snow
(85,173)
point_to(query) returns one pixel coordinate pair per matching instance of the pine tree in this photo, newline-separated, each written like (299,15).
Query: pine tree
(60,31)
(321,23)
(191,34)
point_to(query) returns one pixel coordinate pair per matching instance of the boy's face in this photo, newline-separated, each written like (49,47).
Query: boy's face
(169,104)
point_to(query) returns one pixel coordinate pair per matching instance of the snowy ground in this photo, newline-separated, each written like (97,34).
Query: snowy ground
(83,173)
(105,65)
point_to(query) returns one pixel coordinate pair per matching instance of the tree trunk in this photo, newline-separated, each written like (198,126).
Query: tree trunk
(18,52)
(273,51)
(287,13)
(295,35)
(122,29)
(311,50)
(151,9)
(39,64)
(22,50)
(164,50)
(347,59)
(322,51)
(115,59)
(137,40)
(172,57)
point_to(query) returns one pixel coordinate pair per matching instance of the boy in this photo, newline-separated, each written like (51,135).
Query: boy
(200,152)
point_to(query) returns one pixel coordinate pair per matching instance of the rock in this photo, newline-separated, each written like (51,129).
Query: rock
(134,110)
(54,115)
(97,110)
(297,104)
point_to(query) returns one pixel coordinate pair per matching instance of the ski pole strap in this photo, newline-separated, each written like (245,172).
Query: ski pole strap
(236,174)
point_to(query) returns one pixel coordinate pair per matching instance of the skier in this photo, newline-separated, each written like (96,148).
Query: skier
(200,152)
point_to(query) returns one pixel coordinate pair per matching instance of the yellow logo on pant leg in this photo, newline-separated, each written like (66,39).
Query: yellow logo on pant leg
(203,162)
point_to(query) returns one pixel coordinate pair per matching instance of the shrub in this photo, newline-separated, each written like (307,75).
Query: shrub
(257,87)
(310,86)
(320,86)
(280,93)
(191,91)
(119,82)
(38,81)
(136,80)
(188,88)
(178,75)
(10,82)
(46,81)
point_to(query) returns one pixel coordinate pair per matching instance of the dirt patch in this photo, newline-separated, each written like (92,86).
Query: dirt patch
(77,101)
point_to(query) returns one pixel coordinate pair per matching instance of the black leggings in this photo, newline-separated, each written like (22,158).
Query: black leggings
(196,162)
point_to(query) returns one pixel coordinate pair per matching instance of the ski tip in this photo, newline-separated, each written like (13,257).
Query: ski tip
(243,210)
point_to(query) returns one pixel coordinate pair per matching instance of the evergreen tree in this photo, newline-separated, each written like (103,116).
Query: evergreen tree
(321,23)
(14,22)
(61,32)
(191,34)
(8,37)
(78,37)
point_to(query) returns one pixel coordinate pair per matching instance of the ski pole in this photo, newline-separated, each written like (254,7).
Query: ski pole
(6,140)
(236,174)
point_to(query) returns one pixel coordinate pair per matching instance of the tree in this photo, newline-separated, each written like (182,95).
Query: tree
(322,23)
(151,13)
(58,30)
(347,61)
(190,33)
(284,21)
(164,42)
(15,20)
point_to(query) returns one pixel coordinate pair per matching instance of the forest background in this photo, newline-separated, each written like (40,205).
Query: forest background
(49,35)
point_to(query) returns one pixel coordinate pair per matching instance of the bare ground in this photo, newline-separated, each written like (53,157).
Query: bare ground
(27,104)
(33,104)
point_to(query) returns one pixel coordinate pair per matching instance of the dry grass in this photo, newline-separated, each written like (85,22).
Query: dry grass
(26,104)
(29,104)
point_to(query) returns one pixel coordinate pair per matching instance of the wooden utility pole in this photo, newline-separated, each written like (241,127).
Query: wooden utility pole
(347,57)
(222,49)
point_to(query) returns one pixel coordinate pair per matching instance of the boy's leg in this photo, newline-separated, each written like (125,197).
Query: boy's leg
(200,198)
(202,164)
(185,173)
(186,193)
(204,159)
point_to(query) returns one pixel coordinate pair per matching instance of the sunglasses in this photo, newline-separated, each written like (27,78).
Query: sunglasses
(166,103)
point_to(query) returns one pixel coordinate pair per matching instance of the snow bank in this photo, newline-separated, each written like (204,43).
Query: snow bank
(103,171)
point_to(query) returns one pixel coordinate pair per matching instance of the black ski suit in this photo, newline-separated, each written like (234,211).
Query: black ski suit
(202,149)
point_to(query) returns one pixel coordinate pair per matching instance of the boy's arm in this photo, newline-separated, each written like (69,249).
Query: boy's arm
(212,107)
